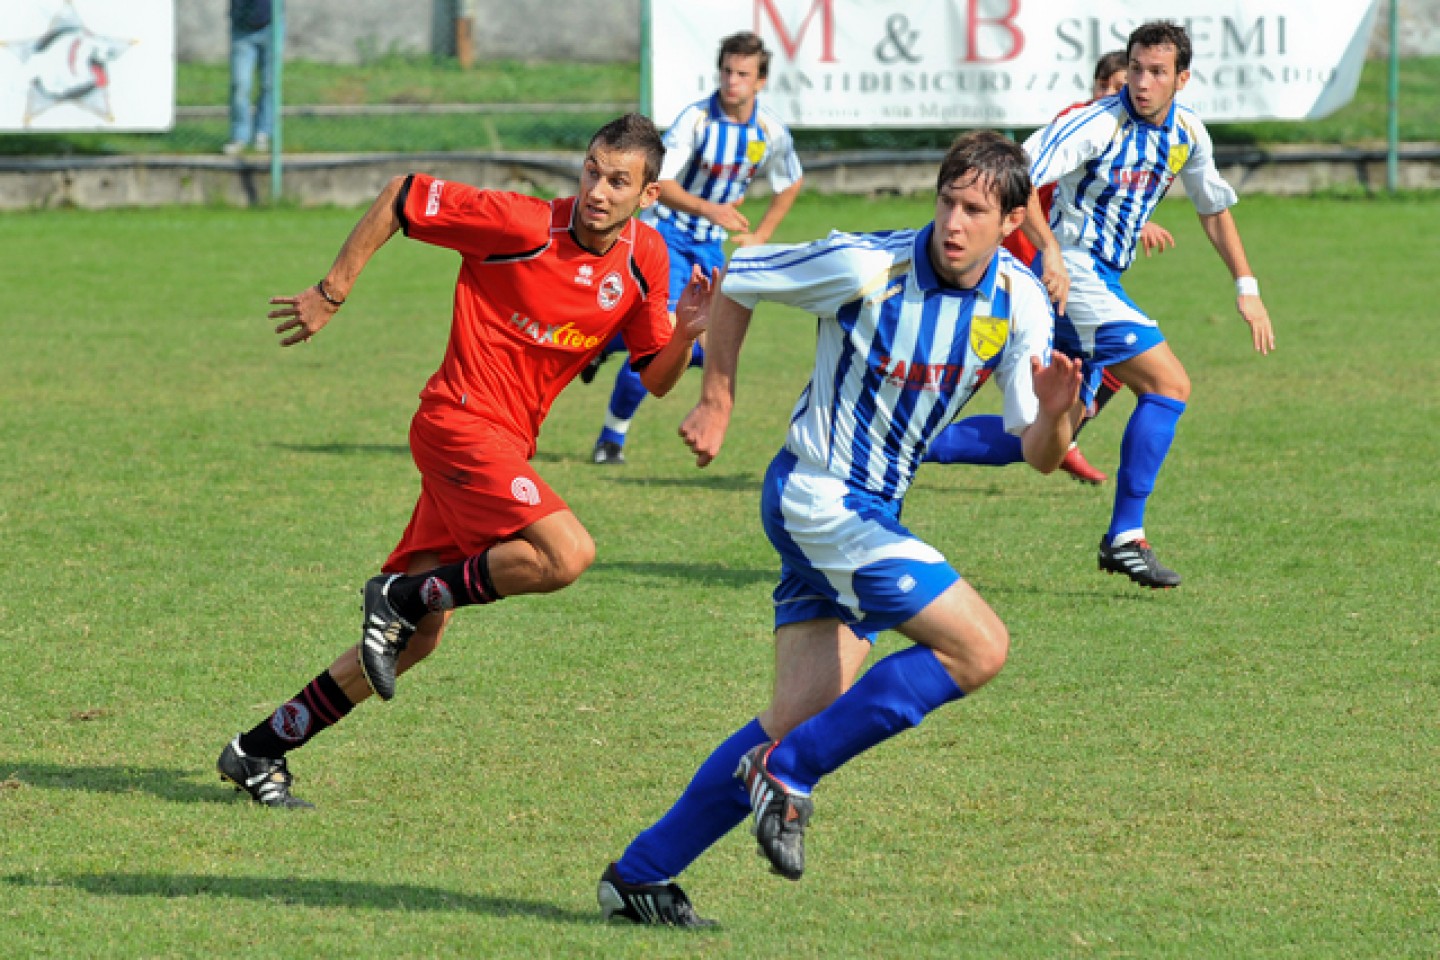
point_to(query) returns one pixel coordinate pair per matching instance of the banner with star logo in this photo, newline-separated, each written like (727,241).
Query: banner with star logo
(87,65)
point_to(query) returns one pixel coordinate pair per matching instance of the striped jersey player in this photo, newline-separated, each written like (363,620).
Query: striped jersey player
(1111,163)
(910,324)
(713,151)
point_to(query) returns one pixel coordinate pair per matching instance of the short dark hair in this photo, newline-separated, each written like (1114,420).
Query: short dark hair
(745,44)
(995,158)
(1157,33)
(1116,61)
(633,133)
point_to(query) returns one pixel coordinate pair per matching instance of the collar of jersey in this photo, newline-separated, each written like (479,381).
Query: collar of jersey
(1124,97)
(927,280)
(717,112)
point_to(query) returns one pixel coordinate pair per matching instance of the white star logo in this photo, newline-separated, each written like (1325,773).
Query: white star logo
(68,64)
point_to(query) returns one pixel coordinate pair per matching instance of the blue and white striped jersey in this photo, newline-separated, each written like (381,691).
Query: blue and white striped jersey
(1111,169)
(714,158)
(898,353)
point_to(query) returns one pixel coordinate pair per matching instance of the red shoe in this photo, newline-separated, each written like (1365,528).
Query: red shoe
(1078,467)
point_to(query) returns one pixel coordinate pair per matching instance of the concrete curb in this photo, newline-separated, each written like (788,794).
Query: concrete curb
(95,183)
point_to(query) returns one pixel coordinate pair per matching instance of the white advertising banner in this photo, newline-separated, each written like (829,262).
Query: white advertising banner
(1006,63)
(87,65)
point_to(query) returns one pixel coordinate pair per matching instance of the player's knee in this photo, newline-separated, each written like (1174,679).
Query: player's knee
(565,563)
(1177,386)
(979,656)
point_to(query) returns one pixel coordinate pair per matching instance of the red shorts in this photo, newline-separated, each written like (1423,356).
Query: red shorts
(476,488)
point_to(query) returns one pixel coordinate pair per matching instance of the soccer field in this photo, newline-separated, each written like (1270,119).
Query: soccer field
(1243,767)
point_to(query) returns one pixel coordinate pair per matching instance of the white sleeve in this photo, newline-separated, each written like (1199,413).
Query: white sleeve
(1068,142)
(1203,183)
(817,277)
(781,163)
(680,141)
(1032,326)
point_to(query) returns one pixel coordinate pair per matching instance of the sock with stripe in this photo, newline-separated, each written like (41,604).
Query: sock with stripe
(893,696)
(625,399)
(1143,449)
(295,722)
(454,585)
(978,440)
(712,805)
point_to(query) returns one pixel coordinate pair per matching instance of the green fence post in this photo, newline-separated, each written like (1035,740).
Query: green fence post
(277,58)
(645,52)
(1392,152)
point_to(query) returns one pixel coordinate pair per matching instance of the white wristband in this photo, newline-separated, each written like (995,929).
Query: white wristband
(1247,287)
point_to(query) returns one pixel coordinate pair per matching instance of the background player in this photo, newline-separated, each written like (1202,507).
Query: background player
(1112,162)
(911,324)
(713,150)
(982,439)
(542,286)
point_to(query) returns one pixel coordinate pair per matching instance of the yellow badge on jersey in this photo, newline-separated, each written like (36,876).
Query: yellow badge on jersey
(988,335)
(1178,155)
(755,152)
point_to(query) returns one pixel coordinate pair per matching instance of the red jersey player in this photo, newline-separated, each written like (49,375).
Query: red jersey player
(542,287)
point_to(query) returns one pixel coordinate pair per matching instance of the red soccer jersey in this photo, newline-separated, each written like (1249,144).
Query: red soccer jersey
(532,305)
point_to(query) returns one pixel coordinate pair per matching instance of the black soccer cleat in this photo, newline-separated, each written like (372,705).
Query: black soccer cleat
(266,779)
(382,637)
(781,814)
(587,375)
(649,904)
(1137,561)
(607,452)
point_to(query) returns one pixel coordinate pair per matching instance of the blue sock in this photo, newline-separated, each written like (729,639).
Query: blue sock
(697,354)
(1147,440)
(711,806)
(979,440)
(625,399)
(892,696)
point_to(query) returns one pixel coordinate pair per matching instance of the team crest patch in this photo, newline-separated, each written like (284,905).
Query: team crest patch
(755,152)
(988,336)
(291,722)
(1178,155)
(612,288)
(524,490)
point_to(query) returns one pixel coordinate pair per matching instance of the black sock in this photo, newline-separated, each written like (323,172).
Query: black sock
(320,705)
(444,588)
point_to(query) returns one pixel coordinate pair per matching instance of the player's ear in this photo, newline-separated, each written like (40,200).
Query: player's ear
(1012,221)
(1181,78)
(650,194)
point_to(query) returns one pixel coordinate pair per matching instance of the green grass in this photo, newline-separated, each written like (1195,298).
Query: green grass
(431,80)
(1243,767)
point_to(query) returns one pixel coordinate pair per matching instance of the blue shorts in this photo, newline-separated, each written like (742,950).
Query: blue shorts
(1101,325)
(844,553)
(685,253)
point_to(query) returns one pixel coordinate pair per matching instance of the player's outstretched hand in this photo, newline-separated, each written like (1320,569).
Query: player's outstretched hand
(1057,386)
(1155,239)
(692,312)
(703,431)
(301,316)
(1252,310)
(727,216)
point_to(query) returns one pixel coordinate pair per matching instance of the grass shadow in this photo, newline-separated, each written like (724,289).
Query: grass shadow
(346,449)
(292,891)
(694,480)
(708,574)
(174,785)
